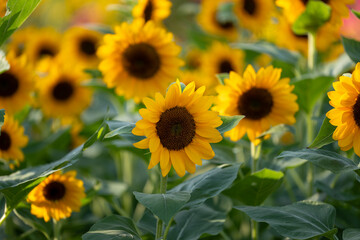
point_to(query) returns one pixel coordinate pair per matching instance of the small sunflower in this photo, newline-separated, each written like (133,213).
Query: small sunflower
(139,60)
(178,128)
(57,196)
(346,112)
(264,99)
(12,139)
(61,93)
(16,84)
(80,45)
(155,10)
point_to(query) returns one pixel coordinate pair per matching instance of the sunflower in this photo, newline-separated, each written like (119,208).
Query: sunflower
(193,59)
(61,93)
(20,39)
(346,112)
(16,84)
(200,79)
(264,99)
(155,10)
(57,196)
(139,60)
(178,128)
(12,138)
(210,22)
(254,14)
(80,45)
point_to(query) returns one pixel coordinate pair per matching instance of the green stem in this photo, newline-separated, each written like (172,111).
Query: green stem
(310,170)
(254,230)
(168,228)
(255,155)
(4,216)
(311,51)
(56,227)
(159,224)
(309,127)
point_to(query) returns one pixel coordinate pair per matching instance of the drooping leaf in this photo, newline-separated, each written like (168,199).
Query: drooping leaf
(351,234)
(356,13)
(324,136)
(165,206)
(208,184)
(301,220)
(255,188)
(112,228)
(352,48)
(20,10)
(4,65)
(229,122)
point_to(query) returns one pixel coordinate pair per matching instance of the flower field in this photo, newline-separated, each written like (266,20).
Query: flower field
(179,120)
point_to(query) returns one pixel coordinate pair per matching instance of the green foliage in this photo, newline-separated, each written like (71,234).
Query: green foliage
(113,227)
(304,220)
(4,65)
(20,10)
(356,13)
(315,15)
(126,128)
(229,122)
(351,234)
(324,136)
(352,48)
(254,189)
(165,206)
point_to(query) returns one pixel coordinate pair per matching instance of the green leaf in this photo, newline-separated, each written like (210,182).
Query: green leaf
(4,65)
(229,122)
(255,188)
(271,50)
(98,135)
(208,184)
(337,194)
(310,90)
(94,73)
(20,10)
(126,128)
(352,48)
(302,220)
(165,206)
(278,130)
(114,125)
(351,234)
(221,77)
(323,159)
(2,115)
(34,222)
(324,136)
(315,15)
(356,13)
(112,228)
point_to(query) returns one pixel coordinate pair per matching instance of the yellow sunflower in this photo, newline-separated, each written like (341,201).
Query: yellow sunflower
(200,79)
(156,10)
(20,39)
(16,84)
(264,99)
(80,45)
(57,196)
(12,139)
(346,112)
(254,14)
(61,93)
(2,8)
(139,60)
(210,22)
(178,128)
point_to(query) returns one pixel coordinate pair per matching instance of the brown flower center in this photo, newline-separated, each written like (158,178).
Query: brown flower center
(148,11)
(5,141)
(54,191)
(9,84)
(225,66)
(88,47)
(45,51)
(256,103)
(141,60)
(250,6)
(176,128)
(63,91)
(356,111)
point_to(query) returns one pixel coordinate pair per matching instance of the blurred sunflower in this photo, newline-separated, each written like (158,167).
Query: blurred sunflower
(16,84)
(200,79)
(61,93)
(156,10)
(178,128)
(264,99)
(57,196)
(346,112)
(12,139)
(2,7)
(139,60)
(209,20)
(20,39)
(80,45)
(193,59)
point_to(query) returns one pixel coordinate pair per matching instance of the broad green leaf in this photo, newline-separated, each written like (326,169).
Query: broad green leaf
(4,65)
(191,224)
(20,10)
(310,90)
(112,228)
(351,234)
(165,206)
(315,15)
(271,50)
(301,220)
(208,184)
(34,222)
(336,193)
(324,136)
(323,159)
(121,130)
(352,48)
(356,13)
(221,77)
(255,188)
(229,122)
(2,115)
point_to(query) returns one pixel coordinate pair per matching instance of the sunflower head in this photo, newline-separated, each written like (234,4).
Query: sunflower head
(155,10)
(264,99)
(57,196)
(178,129)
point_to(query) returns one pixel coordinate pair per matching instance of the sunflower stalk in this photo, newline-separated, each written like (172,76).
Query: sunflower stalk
(255,155)
(159,224)
(57,230)
(168,228)
(311,51)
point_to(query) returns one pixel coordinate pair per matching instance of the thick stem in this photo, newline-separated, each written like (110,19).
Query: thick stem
(311,51)
(159,224)
(310,170)
(57,231)
(168,228)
